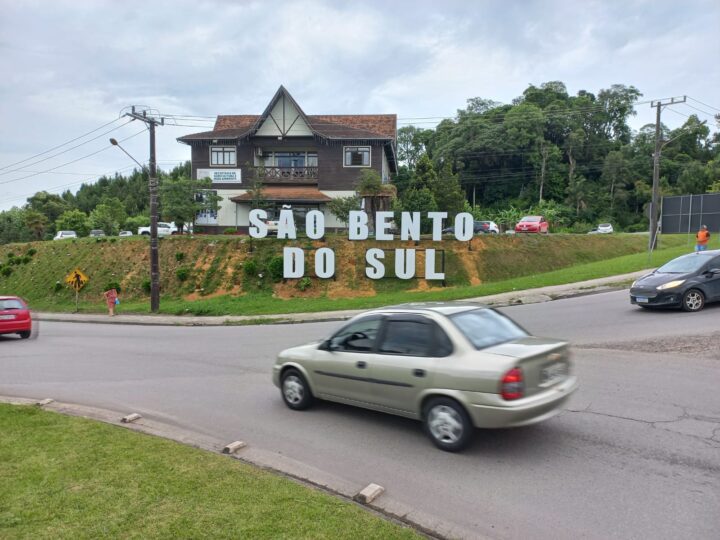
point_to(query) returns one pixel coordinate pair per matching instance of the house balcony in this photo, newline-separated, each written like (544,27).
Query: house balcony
(286,175)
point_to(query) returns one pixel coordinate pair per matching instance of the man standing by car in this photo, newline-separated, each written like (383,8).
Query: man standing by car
(703,237)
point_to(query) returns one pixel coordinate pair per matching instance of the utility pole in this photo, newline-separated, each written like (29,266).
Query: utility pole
(655,203)
(153,185)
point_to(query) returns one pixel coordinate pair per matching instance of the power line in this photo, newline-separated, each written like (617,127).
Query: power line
(69,162)
(701,103)
(59,146)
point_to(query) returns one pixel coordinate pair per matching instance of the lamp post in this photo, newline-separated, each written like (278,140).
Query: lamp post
(154,259)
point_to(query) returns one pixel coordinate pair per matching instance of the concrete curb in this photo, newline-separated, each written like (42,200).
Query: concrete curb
(527,296)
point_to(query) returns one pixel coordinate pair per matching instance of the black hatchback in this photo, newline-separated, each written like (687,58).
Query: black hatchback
(687,282)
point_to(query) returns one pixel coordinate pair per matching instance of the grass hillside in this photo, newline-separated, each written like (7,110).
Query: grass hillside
(232,274)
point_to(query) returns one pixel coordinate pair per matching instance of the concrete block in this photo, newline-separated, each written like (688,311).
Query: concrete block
(234,447)
(130,418)
(370,493)
(46,401)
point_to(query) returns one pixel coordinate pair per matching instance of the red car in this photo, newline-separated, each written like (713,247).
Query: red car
(15,316)
(532,224)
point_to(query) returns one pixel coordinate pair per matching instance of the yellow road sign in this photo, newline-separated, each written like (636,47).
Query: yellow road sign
(76,279)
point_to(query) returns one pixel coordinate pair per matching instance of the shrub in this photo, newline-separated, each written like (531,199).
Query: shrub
(182,273)
(113,240)
(6,271)
(250,267)
(15,260)
(146,286)
(26,259)
(58,286)
(304,283)
(31,251)
(11,255)
(275,268)
(179,256)
(113,285)
(230,230)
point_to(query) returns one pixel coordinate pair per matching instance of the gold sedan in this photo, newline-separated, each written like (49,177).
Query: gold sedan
(454,366)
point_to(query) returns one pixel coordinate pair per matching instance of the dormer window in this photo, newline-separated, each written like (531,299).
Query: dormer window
(357,156)
(223,156)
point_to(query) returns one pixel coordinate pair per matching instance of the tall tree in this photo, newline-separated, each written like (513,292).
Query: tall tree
(182,198)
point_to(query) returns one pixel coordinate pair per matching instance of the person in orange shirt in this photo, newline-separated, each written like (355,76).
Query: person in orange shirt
(703,237)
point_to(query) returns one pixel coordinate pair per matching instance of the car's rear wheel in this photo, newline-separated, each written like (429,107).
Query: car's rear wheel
(295,390)
(25,334)
(447,424)
(693,300)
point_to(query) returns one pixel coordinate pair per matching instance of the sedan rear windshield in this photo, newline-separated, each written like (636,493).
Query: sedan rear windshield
(531,219)
(11,304)
(486,328)
(684,264)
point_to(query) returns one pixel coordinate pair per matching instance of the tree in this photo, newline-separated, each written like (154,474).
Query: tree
(376,195)
(183,198)
(12,226)
(103,217)
(410,145)
(48,204)
(37,223)
(449,196)
(73,220)
(341,207)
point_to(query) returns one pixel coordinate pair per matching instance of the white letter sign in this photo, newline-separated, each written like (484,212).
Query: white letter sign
(293,262)
(357,225)
(258,227)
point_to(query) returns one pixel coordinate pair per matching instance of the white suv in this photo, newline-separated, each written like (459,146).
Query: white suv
(64,235)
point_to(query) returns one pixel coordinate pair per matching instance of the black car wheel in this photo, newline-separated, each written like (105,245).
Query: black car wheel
(25,334)
(295,390)
(447,424)
(693,300)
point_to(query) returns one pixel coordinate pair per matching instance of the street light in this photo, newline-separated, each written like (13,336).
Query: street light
(154,257)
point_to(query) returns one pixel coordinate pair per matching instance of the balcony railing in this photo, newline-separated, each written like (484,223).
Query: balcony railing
(288,175)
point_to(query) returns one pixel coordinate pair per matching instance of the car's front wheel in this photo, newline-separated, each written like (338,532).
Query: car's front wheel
(693,300)
(447,424)
(295,390)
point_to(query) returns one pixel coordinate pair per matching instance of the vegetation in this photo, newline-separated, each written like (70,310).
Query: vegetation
(66,477)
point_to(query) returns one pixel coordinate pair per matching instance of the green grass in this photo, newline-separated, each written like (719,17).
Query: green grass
(65,477)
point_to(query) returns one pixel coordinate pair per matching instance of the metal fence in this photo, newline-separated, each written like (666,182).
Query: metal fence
(687,213)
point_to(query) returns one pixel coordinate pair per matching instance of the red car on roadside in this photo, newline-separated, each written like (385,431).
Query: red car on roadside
(532,224)
(15,316)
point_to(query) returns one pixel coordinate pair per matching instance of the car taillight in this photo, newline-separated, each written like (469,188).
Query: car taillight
(512,386)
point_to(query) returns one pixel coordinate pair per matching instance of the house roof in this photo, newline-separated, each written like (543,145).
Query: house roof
(286,194)
(332,126)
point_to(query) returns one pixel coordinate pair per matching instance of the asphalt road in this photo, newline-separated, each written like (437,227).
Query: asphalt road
(636,453)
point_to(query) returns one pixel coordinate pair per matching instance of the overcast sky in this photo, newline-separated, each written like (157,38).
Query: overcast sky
(69,67)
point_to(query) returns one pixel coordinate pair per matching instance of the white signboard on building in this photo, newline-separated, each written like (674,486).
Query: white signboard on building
(220,175)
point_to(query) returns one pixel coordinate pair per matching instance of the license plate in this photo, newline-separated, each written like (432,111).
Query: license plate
(553,372)
(7,317)
(641,299)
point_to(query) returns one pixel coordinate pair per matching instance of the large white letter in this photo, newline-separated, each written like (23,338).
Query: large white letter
(376,270)
(437,218)
(464,226)
(405,268)
(324,263)
(293,262)
(358,225)
(410,226)
(382,225)
(430,272)
(258,227)
(286,225)
(315,224)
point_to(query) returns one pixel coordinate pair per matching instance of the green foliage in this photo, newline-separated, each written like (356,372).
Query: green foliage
(304,283)
(230,230)
(250,267)
(31,251)
(182,273)
(133,223)
(179,256)
(146,286)
(73,220)
(58,286)
(113,285)
(6,271)
(275,268)
(342,206)
(26,259)
(183,197)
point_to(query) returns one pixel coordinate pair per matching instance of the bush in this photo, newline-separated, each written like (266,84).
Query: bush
(26,259)
(182,273)
(31,251)
(179,256)
(275,268)
(230,230)
(15,260)
(58,286)
(6,271)
(113,285)
(113,240)
(304,283)
(146,286)
(250,267)
(11,255)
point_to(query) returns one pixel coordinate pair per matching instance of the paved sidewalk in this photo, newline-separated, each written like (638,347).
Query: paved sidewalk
(528,296)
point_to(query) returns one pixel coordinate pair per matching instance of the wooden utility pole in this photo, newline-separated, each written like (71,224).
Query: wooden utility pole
(153,185)
(544,153)
(655,202)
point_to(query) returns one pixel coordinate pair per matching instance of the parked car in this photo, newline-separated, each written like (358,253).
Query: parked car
(603,228)
(688,282)
(64,235)
(479,227)
(15,317)
(163,229)
(532,224)
(125,233)
(453,366)
(96,233)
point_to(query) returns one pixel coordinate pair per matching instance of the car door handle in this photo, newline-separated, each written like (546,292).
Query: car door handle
(419,372)
(362,364)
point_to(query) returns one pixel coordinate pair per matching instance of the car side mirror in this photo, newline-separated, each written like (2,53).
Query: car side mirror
(327,345)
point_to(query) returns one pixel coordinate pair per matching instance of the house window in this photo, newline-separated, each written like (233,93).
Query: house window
(222,155)
(357,156)
(288,160)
